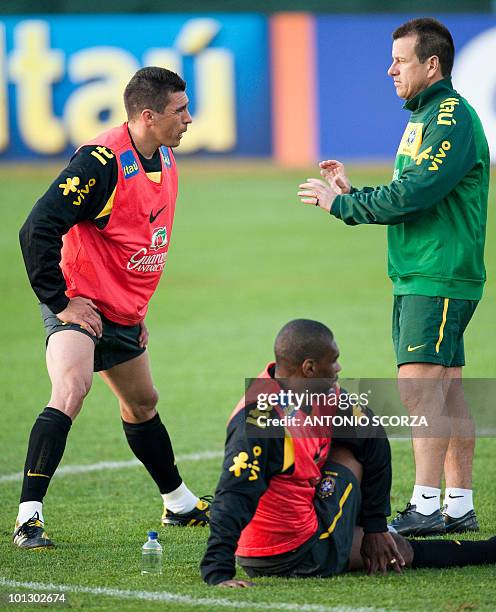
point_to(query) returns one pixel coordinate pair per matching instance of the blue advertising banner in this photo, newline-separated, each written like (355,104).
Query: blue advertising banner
(62,79)
(360,116)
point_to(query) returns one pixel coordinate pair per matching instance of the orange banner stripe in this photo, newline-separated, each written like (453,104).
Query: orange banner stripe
(293,88)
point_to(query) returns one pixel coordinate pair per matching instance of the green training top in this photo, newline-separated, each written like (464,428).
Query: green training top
(436,204)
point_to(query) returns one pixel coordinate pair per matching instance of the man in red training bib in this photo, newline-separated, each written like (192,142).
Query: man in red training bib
(297,498)
(95,246)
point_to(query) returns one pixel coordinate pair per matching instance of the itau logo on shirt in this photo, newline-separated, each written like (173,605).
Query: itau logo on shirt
(129,164)
(166,157)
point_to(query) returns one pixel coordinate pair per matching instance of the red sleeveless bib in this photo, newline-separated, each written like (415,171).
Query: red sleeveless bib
(119,267)
(285,517)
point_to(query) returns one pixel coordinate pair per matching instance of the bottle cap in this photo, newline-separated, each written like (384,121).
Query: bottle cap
(153,535)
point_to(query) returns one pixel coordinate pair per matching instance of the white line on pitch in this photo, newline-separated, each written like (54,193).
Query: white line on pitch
(164,596)
(118,465)
(112,465)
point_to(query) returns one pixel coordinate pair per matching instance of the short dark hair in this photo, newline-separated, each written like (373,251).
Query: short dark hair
(302,339)
(150,88)
(433,38)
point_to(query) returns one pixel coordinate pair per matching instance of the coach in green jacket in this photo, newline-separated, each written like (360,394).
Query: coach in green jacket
(435,207)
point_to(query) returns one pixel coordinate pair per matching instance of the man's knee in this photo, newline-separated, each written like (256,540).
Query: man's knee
(344,456)
(141,408)
(421,386)
(148,401)
(69,358)
(68,394)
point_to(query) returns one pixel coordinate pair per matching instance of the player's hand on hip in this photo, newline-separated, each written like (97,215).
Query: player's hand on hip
(143,337)
(236,584)
(380,553)
(318,193)
(83,312)
(334,173)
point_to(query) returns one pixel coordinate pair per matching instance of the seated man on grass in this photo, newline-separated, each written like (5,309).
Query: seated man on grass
(300,497)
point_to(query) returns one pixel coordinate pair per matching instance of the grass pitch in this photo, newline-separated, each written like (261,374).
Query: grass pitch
(246,258)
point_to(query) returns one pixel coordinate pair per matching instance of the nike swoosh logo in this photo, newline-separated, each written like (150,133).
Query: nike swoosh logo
(455,496)
(414,348)
(30,473)
(428,496)
(153,217)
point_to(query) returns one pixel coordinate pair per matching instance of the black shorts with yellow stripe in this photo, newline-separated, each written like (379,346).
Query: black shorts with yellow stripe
(119,343)
(430,329)
(337,504)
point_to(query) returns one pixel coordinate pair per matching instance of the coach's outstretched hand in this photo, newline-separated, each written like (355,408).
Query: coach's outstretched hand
(323,192)
(236,584)
(83,312)
(380,553)
(318,192)
(333,172)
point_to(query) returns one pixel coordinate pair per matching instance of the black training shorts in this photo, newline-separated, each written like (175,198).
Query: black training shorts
(119,343)
(337,504)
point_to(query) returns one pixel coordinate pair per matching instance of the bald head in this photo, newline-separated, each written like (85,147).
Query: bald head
(302,339)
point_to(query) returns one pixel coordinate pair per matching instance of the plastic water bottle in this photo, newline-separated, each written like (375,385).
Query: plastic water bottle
(151,555)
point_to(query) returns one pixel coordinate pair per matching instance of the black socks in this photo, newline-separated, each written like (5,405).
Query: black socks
(451,553)
(151,444)
(45,449)
(149,441)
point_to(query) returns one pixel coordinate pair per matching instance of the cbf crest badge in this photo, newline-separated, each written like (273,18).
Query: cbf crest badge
(326,487)
(411,140)
(411,136)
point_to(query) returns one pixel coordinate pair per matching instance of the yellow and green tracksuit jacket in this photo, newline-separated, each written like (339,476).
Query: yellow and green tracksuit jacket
(436,204)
